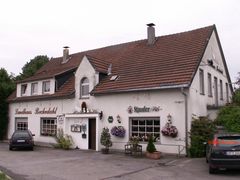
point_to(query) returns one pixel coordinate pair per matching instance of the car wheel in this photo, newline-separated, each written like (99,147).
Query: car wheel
(31,148)
(10,148)
(212,170)
(206,160)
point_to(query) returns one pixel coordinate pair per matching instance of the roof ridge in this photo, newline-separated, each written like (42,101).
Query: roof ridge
(132,42)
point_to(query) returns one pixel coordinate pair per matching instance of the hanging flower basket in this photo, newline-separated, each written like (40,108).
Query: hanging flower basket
(118,131)
(169,129)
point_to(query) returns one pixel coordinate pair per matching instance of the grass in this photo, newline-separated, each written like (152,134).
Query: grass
(4,176)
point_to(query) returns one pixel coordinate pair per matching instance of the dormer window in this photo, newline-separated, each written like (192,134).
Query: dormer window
(46,86)
(23,89)
(84,88)
(34,88)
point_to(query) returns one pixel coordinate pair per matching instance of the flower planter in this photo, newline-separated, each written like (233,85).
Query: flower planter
(105,151)
(154,155)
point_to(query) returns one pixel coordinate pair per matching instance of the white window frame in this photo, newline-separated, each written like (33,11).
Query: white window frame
(142,126)
(201,81)
(48,126)
(84,85)
(34,86)
(21,124)
(23,89)
(44,87)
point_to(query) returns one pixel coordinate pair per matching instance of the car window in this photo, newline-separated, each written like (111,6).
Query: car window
(228,140)
(21,135)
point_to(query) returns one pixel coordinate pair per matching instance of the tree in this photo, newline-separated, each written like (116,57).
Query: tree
(6,88)
(32,66)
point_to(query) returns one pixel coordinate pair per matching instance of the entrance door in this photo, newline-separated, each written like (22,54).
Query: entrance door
(92,134)
(216,91)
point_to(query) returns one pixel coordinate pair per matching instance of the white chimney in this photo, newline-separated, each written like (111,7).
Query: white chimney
(151,33)
(65,54)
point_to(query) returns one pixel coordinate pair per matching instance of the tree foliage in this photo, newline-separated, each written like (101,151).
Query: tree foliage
(32,66)
(6,88)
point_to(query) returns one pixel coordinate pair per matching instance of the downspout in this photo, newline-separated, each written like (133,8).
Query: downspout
(186,119)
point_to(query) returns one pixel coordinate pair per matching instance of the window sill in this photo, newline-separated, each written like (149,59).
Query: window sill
(210,96)
(202,94)
(84,98)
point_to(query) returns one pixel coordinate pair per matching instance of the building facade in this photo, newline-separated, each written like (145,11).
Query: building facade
(139,86)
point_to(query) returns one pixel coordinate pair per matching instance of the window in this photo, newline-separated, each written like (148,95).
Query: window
(46,86)
(144,126)
(84,88)
(23,89)
(221,90)
(227,93)
(209,85)
(48,126)
(21,123)
(34,88)
(201,80)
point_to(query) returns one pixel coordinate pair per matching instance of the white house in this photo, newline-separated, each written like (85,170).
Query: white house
(138,85)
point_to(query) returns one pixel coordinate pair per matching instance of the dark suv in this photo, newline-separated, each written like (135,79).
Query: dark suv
(21,139)
(223,152)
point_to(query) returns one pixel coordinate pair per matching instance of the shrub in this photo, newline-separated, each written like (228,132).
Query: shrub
(202,130)
(151,147)
(63,141)
(106,138)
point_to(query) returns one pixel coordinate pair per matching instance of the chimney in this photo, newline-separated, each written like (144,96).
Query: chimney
(65,54)
(109,69)
(151,34)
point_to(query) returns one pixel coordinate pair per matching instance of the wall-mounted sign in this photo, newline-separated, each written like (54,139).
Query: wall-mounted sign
(24,111)
(46,111)
(110,119)
(143,109)
(37,111)
(76,128)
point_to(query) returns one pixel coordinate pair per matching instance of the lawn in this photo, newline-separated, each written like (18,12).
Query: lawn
(4,176)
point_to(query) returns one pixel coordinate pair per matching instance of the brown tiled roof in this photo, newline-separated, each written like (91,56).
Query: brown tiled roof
(171,62)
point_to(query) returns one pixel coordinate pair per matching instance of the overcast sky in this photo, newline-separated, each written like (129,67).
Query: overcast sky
(42,27)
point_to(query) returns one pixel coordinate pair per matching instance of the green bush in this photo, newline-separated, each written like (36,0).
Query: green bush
(63,141)
(229,117)
(151,147)
(201,131)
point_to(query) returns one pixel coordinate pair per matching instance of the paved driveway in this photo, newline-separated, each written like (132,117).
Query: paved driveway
(52,164)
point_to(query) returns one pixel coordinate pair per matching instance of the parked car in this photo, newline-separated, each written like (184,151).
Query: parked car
(223,152)
(21,139)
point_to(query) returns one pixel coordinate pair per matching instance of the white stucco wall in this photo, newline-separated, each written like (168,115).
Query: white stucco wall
(197,102)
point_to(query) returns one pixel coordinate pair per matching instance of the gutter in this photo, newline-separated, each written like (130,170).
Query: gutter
(186,120)
(140,89)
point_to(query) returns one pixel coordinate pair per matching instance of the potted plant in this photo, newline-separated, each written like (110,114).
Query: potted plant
(105,140)
(152,153)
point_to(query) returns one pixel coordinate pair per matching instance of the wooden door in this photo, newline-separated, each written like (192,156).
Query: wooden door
(92,134)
